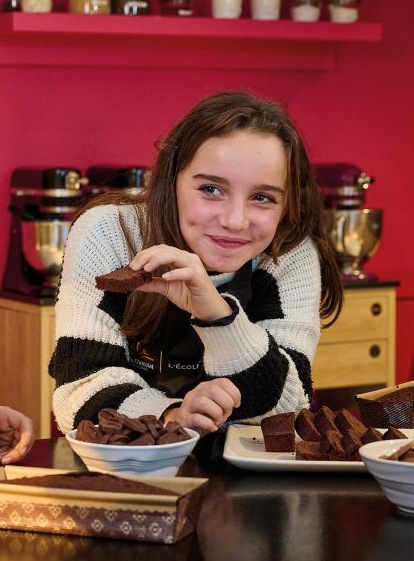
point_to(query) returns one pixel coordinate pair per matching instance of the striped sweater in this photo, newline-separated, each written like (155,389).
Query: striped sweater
(266,348)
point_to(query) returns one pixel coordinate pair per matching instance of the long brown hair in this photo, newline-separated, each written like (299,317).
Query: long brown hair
(216,116)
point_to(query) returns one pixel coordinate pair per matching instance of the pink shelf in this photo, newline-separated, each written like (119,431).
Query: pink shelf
(242,43)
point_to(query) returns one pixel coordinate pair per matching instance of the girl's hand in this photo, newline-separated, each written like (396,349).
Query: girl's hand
(207,406)
(16,435)
(186,284)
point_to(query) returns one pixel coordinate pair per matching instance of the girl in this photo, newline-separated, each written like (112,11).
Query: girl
(230,226)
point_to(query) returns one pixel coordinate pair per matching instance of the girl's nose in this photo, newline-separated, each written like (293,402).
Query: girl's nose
(234,216)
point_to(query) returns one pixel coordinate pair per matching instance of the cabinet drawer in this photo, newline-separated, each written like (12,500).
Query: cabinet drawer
(366,314)
(351,364)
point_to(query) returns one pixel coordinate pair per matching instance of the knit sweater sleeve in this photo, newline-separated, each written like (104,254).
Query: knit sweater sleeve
(268,352)
(90,363)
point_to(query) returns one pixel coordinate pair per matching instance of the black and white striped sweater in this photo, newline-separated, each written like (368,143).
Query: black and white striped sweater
(266,349)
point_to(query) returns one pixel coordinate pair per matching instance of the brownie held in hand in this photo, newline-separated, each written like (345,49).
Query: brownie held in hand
(122,280)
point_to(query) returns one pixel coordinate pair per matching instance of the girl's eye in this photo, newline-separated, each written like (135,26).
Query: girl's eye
(262,198)
(210,189)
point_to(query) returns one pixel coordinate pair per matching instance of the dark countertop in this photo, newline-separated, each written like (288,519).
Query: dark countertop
(246,516)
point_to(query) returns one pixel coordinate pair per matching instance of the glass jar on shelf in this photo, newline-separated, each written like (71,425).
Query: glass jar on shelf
(226,9)
(36,6)
(130,7)
(265,9)
(343,11)
(306,10)
(89,6)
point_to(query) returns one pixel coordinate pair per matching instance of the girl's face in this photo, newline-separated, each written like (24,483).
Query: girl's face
(231,198)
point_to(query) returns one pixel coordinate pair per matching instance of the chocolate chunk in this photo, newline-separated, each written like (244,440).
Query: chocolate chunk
(144,440)
(110,421)
(400,452)
(87,432)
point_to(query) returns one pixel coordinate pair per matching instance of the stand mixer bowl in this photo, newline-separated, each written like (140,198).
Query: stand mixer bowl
(43,243)
(355,236)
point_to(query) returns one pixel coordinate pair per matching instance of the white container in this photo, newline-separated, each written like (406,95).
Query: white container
(265,9)
(341,14)
(36,6)
(306,12)
(158,459)
(395,478)
(227,9)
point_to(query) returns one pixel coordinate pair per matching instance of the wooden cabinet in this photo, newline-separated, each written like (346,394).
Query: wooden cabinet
(26,346)
(359,349)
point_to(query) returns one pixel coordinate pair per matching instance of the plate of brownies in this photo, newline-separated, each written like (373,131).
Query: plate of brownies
(311,441)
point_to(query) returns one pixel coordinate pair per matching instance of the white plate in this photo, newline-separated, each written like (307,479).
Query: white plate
(244,448)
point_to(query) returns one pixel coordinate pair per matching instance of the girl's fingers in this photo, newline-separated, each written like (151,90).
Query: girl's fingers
(156,256)
(197,421)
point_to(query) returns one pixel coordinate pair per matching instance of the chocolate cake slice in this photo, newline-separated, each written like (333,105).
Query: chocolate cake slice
(331,445)
(122,280)
(346,421)
(351,443)
(392,433)
(310,451)
(279,432)
(371,435)
(324,420)
(91,481)
(305,427)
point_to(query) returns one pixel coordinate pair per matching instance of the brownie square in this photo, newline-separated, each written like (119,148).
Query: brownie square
(392,433)
(324,420)
(122,280)
(279,432)
(371,435)
(310,451)
(305,427)
(331,445)
(346,421)
(351,443)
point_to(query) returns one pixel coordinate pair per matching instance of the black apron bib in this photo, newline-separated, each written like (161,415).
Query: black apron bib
(172,362)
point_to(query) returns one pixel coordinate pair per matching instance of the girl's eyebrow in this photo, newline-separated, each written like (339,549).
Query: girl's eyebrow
(224,181)
(213,178)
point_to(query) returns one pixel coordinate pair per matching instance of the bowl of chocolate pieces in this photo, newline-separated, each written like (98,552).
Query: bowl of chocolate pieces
(143,445)
(392,464)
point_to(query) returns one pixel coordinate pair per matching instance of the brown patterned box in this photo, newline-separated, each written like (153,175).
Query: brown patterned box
(148,518)
(389,406)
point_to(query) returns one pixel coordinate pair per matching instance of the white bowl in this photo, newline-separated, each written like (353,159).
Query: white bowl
(395,478)
(163,459)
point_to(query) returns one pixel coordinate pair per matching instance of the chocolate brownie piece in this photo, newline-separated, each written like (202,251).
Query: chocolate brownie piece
(279,432)
(122,280)
(371,435)
(305,427)
(351,443)
(310,451)
(400,452)
(91,481)
(324,420)
(408,457)
(346,421)
(331,445)
(392,433)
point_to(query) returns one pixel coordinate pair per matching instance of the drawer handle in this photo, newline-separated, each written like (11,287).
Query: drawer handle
(375,351)
(376,309)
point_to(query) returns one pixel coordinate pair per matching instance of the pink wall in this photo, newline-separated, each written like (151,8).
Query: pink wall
(360,112)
